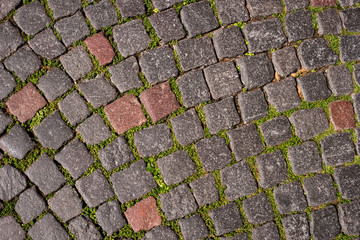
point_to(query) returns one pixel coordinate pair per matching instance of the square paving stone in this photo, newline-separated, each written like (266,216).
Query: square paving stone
(5,121)
(298,25)
(158,64)
(7,82)
(255,71)
(74,107)
(53,132)
(309,123)
(17,142)
(348,180)
(194,53)
(176,167)
(63,8)
(83,228)
(322,3)
(109,217)
(13,182)
(131,37)
(349,215)
(356,74)
(125,113)
(167,25)
(185,123)
(329,22)
(226,218)
(258,209)
(229,42)
(161,233)
(10,38)
(223,79)
(285,61)
(163,4)
(351,18)
(264,7)
(272,169)
(193,88)
(7,6)
(178,203)
(11,229)
(32,18)
(315,53)
(125,75)
(115,154)
(290,197)
(276,131)
(47,45)
(94,130)
(319,189)
(340,80)
(102,14)
(238,180)
(266,231)
(94,188)
(76,62)
(55,83)
(264,35)
(232,11)
(133,182)
(29,205)
(66,203)
(314,87)
(342,115)
(45,174)
(337,149)
(100,46)
(153,140)
(253,105)
(324,223)
(205,190)
(72,28)
(193,227)
(48,228)
(75,158)
(350,48)
(296,226)
(305,158)
(221,115)
(23,62)
(159,101)
(130,8)
(292,5)
(245,141)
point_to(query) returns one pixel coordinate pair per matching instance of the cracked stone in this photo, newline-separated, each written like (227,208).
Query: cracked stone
(229,42)
(48,228)
(205,190)
(226,218)
(319,189)
(76,62)
(290,197)
(102,14)
(109,217)
(12,182)
(94,130)
(337,149)
(305,158)
(253,105)
(74,107)
(29,205)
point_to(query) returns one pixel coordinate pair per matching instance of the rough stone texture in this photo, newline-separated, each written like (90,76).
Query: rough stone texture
(349,215)
(319,189)
(253,105)
(47,45)
(205,190)
(163,4)
(350,48)
(290,197)
(276,131)
(213,153)
(6,6)
(74,107)
(292,5)
(329,22)
(5,121)
(29,205)
(83,228)
(10,228)
(337,149)
(193,227)
(356,74)
(258,209)
(109,217)
(347,3)
(133,182)
(298,25)
(305,158)
(48,228)
(324,223)
(342,115)
(229,42)
(264,7)
(314,87)
(77,62)
(232,11)
(226,218)
(356,99)
(350,18)
(102,14)
(55,83)
(7,82)
(348,180)
(161,233)
(94,130)
(322,3)
(340,80)
(10,39)
(12,182)
(266,231)
(63,8)
(285,61)
(296,226)
(100,46)
(130,8)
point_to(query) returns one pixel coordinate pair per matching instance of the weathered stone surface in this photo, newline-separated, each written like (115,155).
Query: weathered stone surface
(356,74)
(100,46)
(314,87)
(350,18)
(76,62)
(10,38)
(48,228)
(94,130)
(226,218)
(83,228)
(295,5)
(329,22)
(6,6)
(337,149)
(266,231)
(7,83)
(305,158)
(55,83)
(47,45)
(130,8)
(11,229)
(276,131)
(322,3)
(110,218)
(161,233)
(296,226)
(29,205)
(349,215)
(342,115)
(229,42)
(350,48)
(340,80)
(264,8)
(12,182)
(193,227)
(285,61)
(5,121)
(74,107)
(298,25)
(205,190)
(290,197)
(324,223)
(102,14)
(63,8)
(356,100)
(163,4)
(258,209)
(348,180)
(253,105)
(232,11)
(319,189)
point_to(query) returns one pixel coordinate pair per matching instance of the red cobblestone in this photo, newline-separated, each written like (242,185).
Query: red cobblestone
(342,115)
(100,46)
(323,3)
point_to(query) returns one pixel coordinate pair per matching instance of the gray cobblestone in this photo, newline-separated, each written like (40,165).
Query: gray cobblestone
(11,229)
(319,189)
(193,227)
(348,180)
(298,25)
(13,182)
(29,205)
(337,149)
(253,105)
(329,22)
(290,197)
(74,107)
(109,217)
(305,158)
(349,215)
(77,62)
(94,130)
(48,228)
(276,131)
(324,223)
(226,218)
(10,38)
(296,226)
(285,61)
(229,42)
(258,209)
(204,190)
(232,11)
(102,14)
(47,45)
(84,229)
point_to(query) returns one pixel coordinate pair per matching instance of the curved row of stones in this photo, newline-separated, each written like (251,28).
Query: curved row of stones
(294,183)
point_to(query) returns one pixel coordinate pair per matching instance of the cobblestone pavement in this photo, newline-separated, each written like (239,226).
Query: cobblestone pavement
(171,119)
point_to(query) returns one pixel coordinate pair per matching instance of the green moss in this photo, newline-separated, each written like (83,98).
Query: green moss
(334,42)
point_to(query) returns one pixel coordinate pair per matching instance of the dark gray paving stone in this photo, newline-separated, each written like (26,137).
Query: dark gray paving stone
(10,38)
(45,174)
(5,121)
(349,215)
(160,233)
(319,190)
(223,79)
(272,169)
(232,11)
(340,80)
(292,5)
(258,209)
(153,140)
(351,18)
(94,188)
(298,25)
(315,53)
(72,28)
(195,53)
(13,182)
(32,18)
(131,37)
(193,88)
(102,14)
(130,8)
(350,48)
(109,217)
(29,205)
(178,203)
(285,61)
(11,229)
(193,227)
(264,35)
(55,83)
(163,4)
(167,25)
(296,226)
(76,62)
(309,123)
(198,18)
(53,132)
(337,149)
(6,7)
(66,203)
(158,64)
(16,143)
(348,180)
(324,223)
(266,231)
(356,74)
(290,197)
(48,228)
(205,190)
(346,3)
(83,228)
(133,182)
(305,158)
(259,8)
(94,130)
(7,83)
(23,62)
(47,45)
(64,8)
(314,87)
(241,236)
(245,141)
(226,218)
(229,42)
(329,22)
(253,105)
(255,71)
(276,131)
(74,107)
(185,123)
(221,115)
(213,153)
(238,180)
